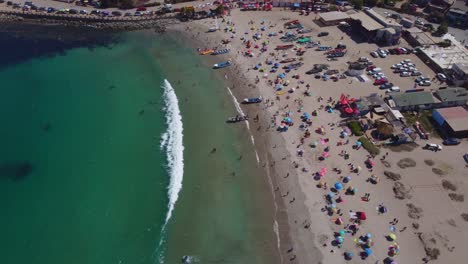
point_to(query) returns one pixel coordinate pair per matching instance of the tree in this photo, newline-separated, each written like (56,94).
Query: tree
(357,3)
(405,7)
(442,29)
(371,3)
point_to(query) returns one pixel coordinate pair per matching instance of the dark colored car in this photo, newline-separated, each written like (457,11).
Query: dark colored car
(116,13)
(73,11)
(386,86)
(465,157)
(322,34)
(451,141)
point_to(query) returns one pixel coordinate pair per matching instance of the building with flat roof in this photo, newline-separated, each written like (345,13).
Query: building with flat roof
(333,18)
(452,96)
(411,101)
(367,22)
(453,120)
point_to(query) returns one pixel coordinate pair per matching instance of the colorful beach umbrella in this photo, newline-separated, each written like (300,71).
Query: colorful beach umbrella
(338,186)
(392,236)
(368,251)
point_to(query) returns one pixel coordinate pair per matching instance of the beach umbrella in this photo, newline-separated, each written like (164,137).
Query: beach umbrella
(339,221)
(368,235)
(325,154)
(330,195)
(338,186)
(361,215)
(342,232)
(339,239)
(332,205)
(382,209)
(368,251)
(282,75)
(358,169)
(346,179)
(392,236)
(348,255)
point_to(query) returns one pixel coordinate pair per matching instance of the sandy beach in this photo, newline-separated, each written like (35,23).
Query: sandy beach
(428,219)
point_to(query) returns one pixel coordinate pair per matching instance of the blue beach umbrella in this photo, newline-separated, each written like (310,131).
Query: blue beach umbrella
(338,186)
(282,75)
(368,251)
(276,65)
(306,115)
(330,194)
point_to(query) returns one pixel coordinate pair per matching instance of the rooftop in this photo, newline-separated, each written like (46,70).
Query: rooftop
(456,117)
(333,16)
(462,66)
(452,94)
(388,21)
(410,99)
(446,57)
(367,22)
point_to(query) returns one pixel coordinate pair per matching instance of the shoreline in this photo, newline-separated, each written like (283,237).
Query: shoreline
(284,223)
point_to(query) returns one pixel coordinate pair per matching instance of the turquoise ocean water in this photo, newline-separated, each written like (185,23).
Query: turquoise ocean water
(83,176)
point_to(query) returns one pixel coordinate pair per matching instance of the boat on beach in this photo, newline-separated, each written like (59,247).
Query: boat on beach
(252,100)
(284,47)
(222,65)
(237,118)
(220,51)
(206,51)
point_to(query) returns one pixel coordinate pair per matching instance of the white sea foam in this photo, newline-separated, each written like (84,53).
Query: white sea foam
(239,110)
(172,143)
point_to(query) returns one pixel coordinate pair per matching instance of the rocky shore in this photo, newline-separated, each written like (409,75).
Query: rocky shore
(158,24)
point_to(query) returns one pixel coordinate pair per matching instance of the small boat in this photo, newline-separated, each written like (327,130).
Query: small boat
(237,118)
(220,51)
(284,47)
(288,60)
(206,51)
(222,65)
(253,100)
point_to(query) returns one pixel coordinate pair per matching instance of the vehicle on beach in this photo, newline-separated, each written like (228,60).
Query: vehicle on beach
(237,118)
(222,65)
(433,147)
(451,141)
(252,100)
(323,34)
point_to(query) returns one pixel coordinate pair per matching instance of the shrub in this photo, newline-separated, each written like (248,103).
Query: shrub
(371,148)
(355,128)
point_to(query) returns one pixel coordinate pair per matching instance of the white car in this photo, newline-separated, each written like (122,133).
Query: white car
(396,66)
(433,147)
(425,83)
(441,77)
(405,74)
(394,89)
(416,73)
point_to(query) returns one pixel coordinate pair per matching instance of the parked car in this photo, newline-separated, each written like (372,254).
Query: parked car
(50,10)
(382,54)
(386,86)
(322,34)
(405,74)
(425,83)
(73,11)
(451,141)
(465,157)
(441,77)
(374,54)
(421,79)
(380,81)
(416,73)
(396,66)
(433,147)
(142,8)
(394,89)
(116,13)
